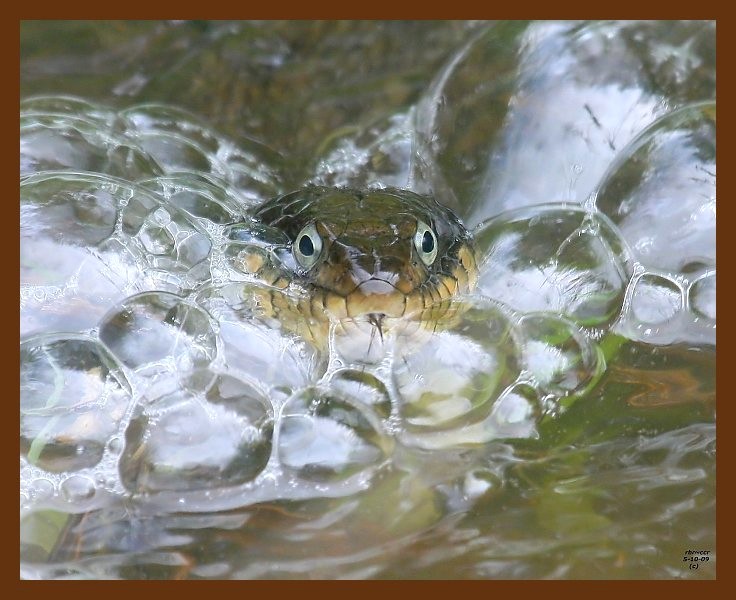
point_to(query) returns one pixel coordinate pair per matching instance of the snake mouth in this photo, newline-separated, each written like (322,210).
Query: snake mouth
(375,299)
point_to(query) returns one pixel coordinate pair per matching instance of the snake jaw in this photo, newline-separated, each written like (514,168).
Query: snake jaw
(374,296)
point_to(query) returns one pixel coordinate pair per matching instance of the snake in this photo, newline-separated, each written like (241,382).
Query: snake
(335,254)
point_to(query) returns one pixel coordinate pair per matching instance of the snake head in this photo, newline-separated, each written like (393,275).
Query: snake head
(378,252)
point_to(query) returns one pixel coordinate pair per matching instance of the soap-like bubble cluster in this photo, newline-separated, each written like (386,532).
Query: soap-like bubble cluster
(120,215)
(661,192)
(594,192)
(175,376)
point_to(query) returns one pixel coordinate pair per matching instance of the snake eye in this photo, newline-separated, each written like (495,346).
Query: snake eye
(425,241)
(308,246)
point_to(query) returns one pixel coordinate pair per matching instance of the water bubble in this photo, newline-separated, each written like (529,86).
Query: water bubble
(115,445)
(252,172)
(504,122)
(661,191)
(198,198)
(154,119)
(187,441)
(181,142)
(656,312)
(656,299)
(364,388)
(257,234)
(254,344)
(237,395)
(514,413)
(702,296)
(327,438)
(152,326)
(41,489)
(358,341)
(131,163)
(157,240)
(176,153)
(199,205)
(50,147)
(68,134)
(75,270)
(161,217)
(378,156)
(252,262)
(69,208)
(554,258)
(73,395)
(58,105)
(78,488)
(558,357)
(168,238)
(448,380)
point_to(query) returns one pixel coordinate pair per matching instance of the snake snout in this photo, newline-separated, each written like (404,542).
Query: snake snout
(376,296)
